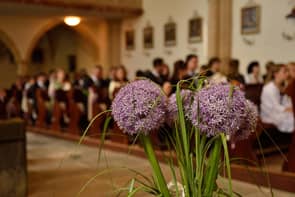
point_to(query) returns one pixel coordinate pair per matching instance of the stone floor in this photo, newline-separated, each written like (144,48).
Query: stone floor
(59,168)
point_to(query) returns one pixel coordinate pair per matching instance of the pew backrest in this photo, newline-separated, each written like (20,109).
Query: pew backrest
(253,93)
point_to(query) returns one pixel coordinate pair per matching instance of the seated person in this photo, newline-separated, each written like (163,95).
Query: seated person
(191,64)
(234,75)
(120,79)
(179,73)
(253,71)
(276,108)
(156,74)
(215,66)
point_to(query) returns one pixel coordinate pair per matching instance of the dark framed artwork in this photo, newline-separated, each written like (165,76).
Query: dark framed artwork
(130,40)
(148,37)
(195,30)
(170,34)
(250,20)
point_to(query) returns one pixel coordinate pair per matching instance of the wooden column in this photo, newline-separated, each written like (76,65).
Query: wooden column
(114,42)
(22,67)
(225,32)
(213,28)
(220,30)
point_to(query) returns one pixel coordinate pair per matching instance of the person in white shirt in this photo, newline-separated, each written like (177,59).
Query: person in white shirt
(276,108)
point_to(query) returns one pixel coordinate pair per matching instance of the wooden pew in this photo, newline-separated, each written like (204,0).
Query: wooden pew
(244,149)
(76,110)
(99,105)
(59,109)
(41,98)
(253,93)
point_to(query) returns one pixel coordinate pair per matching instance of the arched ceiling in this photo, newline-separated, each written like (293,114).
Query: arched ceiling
(105,8)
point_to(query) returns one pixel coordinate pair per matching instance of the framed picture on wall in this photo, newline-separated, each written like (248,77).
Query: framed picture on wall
(250,20)
(148,37)
(130,40)
(195,30)
(170,34)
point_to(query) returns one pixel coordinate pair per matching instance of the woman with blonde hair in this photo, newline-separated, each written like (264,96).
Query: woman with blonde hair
(276,108)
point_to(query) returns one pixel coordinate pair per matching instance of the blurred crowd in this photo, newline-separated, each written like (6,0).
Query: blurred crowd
(21,99)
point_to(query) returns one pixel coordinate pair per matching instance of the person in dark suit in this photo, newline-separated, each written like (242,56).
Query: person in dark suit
(96,79)
(156,74)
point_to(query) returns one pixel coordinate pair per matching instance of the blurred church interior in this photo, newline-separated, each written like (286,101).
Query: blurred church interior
(63,61)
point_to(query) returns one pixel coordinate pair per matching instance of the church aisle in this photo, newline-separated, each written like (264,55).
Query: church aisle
(60,168)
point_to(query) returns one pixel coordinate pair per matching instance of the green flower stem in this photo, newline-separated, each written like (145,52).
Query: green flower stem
(227,162)
(212,172)
(150,153)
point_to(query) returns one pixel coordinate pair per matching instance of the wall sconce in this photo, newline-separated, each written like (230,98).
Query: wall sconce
(146,53)
(248,41)
(72,20)
(168,52)
(288,36)
(289,17)
(193,49)
(128,54)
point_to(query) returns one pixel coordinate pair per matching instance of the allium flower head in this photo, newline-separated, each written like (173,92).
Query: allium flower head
(222,108)
(139,107)
(172,109)
(250,123)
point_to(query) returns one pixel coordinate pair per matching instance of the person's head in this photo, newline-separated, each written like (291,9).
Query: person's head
(60,75)
(52,74)
(253,68)
(83,72)
(214,64)
(291,67)
(32,80)
(203,69)
(2,93)
(41,77)
(112,72)
(268,65)
(158,64)
(165,71)
(234,66)
(180,70)
(191,62)
(98,71)
(279,73)
(121,73)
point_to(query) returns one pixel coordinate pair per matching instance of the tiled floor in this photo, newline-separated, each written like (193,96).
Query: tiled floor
(60,168)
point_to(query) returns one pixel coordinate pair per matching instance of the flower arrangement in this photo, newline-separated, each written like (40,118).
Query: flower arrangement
(200,120)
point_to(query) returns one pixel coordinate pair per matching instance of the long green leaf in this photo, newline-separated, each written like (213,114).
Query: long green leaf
(158,175)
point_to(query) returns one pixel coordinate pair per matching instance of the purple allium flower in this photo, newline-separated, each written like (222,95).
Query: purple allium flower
(249,124)
(172,109)
(139,107)
(214,110)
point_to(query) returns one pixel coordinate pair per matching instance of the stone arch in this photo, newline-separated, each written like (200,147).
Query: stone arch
(9,43)
(81,29)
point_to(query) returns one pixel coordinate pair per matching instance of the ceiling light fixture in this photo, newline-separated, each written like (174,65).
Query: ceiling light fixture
(72,20)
